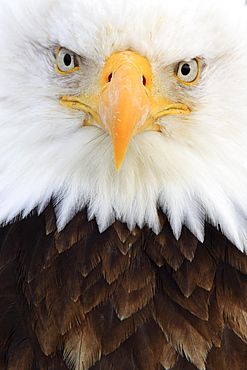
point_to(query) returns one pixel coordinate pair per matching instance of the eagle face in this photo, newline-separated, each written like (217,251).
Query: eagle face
(175,71)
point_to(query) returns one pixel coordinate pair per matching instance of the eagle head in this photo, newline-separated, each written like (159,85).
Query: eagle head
(125,108)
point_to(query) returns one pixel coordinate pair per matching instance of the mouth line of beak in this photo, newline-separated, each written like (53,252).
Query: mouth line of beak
(176,108)
(78,103)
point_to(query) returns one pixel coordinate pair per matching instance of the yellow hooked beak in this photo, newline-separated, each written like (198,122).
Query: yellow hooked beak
(125,105)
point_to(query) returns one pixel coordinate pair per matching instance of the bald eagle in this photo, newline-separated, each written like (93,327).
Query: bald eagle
(123,184)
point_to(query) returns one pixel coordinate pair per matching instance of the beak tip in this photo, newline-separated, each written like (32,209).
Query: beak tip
(119,152)
(118,164)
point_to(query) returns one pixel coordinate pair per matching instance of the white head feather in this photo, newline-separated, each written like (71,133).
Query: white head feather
(195,171)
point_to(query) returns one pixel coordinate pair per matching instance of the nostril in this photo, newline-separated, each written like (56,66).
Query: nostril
(144,81)
(109,77)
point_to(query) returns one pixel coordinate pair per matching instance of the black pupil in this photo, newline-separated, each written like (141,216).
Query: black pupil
(185,70)
(67,60)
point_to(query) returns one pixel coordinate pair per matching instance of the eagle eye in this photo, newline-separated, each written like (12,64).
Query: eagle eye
(188,72)
(66,61)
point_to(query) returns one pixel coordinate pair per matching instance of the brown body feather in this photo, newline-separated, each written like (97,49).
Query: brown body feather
(119,300)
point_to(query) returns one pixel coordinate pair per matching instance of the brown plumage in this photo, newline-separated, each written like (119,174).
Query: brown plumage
(120,300)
